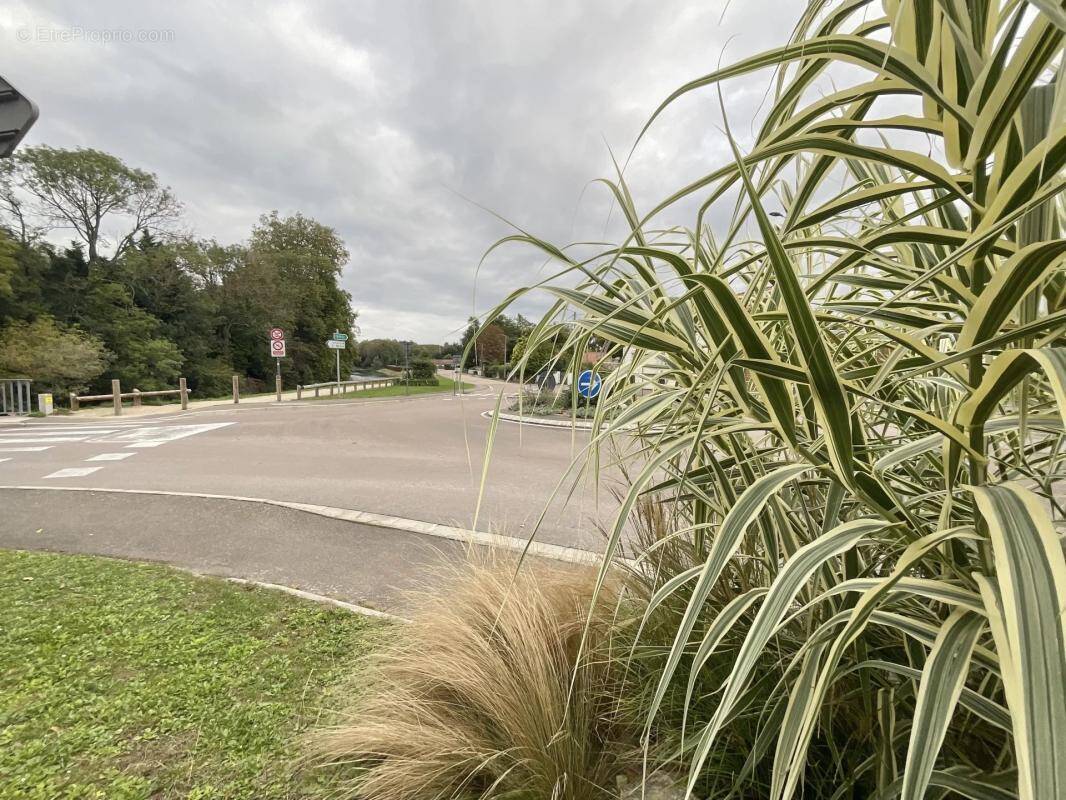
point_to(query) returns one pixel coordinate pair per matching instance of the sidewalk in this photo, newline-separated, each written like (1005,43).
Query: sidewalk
(106,410)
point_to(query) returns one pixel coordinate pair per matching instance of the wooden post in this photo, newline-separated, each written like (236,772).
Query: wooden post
(136,397)
(299,391)
(316,391)
(277,386)
(116,396)
(73,402)
(184,389)
(236,390)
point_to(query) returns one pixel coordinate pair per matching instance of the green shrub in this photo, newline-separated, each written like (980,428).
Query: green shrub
(423,369)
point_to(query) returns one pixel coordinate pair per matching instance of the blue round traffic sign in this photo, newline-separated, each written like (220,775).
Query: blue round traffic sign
(588,384)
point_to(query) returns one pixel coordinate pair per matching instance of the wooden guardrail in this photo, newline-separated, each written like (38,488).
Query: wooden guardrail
(117,396)
(339,386)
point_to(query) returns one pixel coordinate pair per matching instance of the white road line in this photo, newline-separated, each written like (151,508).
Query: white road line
(39,431)
(157,436)
(23,449)
(40,439)
(5,459)
(110,456)
(73,472)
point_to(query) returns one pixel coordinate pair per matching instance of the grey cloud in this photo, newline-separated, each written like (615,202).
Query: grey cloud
(375,117)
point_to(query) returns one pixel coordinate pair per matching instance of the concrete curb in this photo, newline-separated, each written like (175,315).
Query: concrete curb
(310,596)
(541,422)
(555,552)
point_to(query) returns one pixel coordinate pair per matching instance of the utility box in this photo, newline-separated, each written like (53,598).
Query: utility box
(44,404)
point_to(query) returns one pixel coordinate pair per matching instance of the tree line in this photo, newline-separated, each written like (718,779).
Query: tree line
(495,345)
(132,297)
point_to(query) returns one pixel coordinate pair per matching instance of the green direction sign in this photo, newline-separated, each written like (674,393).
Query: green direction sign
(340,337)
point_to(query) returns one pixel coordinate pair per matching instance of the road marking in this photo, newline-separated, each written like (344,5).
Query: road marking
(110,456)
(39,431)
(153,437)
(5,459)
(38,439)
(73,472)
(24,449)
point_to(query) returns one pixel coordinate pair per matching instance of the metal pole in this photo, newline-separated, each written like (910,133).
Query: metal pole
(407,367)
(338,352)
(277,379)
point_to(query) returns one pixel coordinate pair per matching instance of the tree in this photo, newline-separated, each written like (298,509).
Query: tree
(8,266)
(299,263)
(491,345)
(13,211)
(540,356)
(162,282)
(378,353)
(139,353)
(63,359)
(85,190)
(473,326)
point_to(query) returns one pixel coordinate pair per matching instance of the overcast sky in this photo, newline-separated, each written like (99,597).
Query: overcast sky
(379,118)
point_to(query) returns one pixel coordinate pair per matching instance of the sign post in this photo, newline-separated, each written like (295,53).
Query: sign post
(341,338)
(277,349)
(338,343)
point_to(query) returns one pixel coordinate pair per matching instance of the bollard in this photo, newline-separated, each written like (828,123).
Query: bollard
(236,390)
(73,402)
(184,390)
(299,391)
(136,397)
(116,396)
(277,386)
(316,391)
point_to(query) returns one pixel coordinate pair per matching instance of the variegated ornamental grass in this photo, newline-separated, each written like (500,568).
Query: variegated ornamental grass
(852,413)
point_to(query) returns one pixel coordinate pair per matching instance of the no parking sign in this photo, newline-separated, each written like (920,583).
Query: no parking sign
(277,343)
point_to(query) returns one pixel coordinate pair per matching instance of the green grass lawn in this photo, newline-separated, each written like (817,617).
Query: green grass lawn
(445,385)
(122,680)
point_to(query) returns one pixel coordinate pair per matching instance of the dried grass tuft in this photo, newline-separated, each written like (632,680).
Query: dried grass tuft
(473,700)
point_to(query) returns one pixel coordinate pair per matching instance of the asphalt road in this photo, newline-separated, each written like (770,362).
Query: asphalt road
(420,459)
(369,566)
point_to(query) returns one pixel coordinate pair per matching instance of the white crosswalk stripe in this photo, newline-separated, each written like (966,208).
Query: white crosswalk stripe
(73,472)
(39,439)
(35,437)
(110,456)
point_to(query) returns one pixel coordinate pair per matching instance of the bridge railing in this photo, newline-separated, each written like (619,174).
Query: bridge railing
(117,396)
(340,386)
(15,396)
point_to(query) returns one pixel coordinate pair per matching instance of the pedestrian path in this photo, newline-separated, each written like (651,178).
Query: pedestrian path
(22,446)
